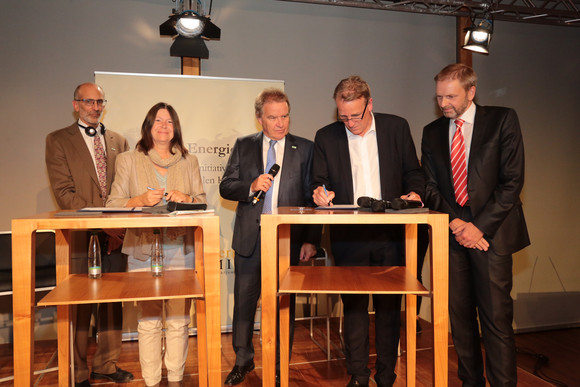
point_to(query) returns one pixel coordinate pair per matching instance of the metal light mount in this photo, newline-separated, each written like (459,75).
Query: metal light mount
(189,28)
(478,36)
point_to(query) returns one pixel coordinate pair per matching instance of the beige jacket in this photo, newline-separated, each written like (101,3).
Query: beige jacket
(126,185)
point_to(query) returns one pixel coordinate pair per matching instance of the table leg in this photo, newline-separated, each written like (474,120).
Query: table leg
(62,240)
(200,308)
(284,339)
(202,352)
(212,301)
(284,305)
(208,310)
(64,331)
(440,289)
(269,297)
(411,304)
(23,282)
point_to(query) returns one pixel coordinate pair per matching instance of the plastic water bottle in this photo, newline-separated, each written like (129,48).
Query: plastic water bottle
(94,256)
(157,254)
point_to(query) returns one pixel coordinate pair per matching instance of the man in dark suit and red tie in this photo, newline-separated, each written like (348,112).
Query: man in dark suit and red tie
(473,158)
(366,154)
(248,175)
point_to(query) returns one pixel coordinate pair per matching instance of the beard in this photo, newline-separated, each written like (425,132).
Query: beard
(453,112)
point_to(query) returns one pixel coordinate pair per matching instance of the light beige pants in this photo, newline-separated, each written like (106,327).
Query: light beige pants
(150,339)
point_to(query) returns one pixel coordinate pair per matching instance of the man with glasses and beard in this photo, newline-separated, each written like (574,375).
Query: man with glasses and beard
(80,160)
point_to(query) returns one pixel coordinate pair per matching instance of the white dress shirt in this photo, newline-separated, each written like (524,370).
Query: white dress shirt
(364,163)
(90,141)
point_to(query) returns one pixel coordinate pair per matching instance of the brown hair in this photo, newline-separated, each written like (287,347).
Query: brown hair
(465,74)
(352,88)
(269,95)
(146,142)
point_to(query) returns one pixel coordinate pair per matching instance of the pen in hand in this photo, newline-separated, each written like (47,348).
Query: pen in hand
(326,193)
(155,189)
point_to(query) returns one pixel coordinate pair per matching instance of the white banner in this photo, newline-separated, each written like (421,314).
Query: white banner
(213,112)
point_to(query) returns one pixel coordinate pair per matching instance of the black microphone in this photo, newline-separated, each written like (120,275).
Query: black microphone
(376,205)
(380,205)
(365,201)
(258,196)
(401,204)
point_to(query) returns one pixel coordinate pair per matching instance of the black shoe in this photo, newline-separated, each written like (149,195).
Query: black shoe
(353,382)
(84,383)
(119,376)
(238,374)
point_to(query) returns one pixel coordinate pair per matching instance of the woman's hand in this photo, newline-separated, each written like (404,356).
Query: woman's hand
(179,197)
(152,197)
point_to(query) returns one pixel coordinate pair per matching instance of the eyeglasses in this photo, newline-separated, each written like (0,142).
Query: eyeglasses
(354,117)
(91,102)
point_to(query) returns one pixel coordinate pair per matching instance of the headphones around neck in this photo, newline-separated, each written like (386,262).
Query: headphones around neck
(92,131)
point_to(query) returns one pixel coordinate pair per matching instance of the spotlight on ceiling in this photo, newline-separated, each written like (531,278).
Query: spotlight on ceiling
(189,25)
(189,28)
(478,37)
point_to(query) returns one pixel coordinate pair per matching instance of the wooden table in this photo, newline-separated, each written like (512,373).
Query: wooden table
(280,279)
(203,283)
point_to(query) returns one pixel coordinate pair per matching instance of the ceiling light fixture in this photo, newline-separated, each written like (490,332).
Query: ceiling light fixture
(189,27)
(189,24)
(478,37)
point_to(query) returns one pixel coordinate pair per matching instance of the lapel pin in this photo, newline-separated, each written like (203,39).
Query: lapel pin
(113,149)
(293,146)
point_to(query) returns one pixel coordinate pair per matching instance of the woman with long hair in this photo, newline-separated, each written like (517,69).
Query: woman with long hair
(160,169)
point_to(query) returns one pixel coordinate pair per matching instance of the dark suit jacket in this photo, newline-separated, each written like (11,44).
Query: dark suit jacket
(71,170)
(245,165)
(495,176)
(400,172)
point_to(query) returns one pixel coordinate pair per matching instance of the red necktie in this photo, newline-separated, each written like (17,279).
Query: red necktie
(459,165)
(101,167)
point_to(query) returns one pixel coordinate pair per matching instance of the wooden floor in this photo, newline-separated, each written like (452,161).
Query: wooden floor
(558,353)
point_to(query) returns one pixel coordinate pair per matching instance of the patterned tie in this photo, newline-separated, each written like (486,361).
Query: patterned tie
(270,160)
(101,161)
(459,165)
